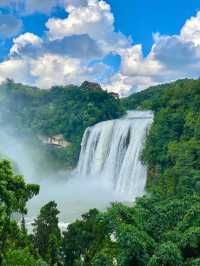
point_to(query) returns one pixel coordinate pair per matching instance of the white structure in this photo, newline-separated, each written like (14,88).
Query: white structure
(56,140)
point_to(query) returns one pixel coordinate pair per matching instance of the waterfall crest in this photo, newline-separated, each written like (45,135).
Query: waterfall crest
(111,151)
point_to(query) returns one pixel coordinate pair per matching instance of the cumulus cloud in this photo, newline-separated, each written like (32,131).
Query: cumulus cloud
(81,46)
(74,47)
(26,44)
(85,35)
(15,69)
(52,70)
(171,57)
(48,70)
(134,64)
(125,85)
(83,20)
(191,30)
(9,26)
(94,19)
(175,52)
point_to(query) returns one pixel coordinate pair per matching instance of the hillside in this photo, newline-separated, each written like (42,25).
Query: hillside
(34,114)
(161,228)
(173,146)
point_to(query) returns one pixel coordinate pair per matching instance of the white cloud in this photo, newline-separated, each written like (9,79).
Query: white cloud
(16,69)
(76,46)
(171,57)
(134,64)
(73,49)
(125,85)
(48,70)
(191,30)
(95,19)
(86,34)
(24,41)
(176,52)
(83,20)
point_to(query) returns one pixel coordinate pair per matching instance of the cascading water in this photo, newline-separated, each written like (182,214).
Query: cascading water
(109,168)
(111,152)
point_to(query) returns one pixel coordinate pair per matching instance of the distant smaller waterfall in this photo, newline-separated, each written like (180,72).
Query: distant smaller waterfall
(111,151)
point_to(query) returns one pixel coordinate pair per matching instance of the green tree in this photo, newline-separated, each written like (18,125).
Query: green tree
(135,246)
(21,257)
(14,194)
(190,243)
(47,235)
(83,239)
(168,254)
(104,258)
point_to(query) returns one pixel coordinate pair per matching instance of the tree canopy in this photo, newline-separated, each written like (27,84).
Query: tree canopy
(161,228)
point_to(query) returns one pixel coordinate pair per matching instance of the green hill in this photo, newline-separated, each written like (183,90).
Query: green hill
(172,148)
(161,228)
(35,114)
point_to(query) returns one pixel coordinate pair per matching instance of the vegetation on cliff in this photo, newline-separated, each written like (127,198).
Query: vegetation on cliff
(162,228)
(172,148)
(65,110)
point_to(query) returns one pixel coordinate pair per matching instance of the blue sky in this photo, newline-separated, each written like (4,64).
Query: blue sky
(140,18)
(124,45)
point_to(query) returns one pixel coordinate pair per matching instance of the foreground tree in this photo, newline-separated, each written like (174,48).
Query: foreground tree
(47,235)
(168,254)
(14,194)
(21,257)
(83,239)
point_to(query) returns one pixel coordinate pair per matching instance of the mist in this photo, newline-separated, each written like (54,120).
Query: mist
(73,193)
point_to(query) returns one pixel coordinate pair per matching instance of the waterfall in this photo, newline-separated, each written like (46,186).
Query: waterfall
(111,150)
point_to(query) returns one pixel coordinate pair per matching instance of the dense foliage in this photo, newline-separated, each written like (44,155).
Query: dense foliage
(47,235)
(162,228)
(14,194)
(173,146)
(155,231)
(65,110)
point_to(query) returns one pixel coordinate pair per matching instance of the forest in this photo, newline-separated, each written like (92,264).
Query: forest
(31,112)
(161,228)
